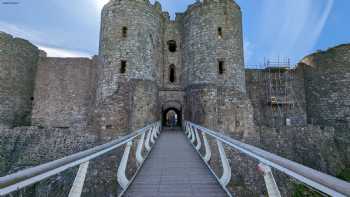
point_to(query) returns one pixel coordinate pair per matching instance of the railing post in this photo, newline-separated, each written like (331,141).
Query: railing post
(147,145)
(199,142)
(152,135)
(158,128)
(226,175)
(79,180)
(271,186)
(155,136)
(186,128)
(207,148)
(121,176)
(192,135)
(139,157)
(189,132)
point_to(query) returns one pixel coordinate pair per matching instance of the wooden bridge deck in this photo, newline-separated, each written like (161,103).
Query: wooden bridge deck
(174,169)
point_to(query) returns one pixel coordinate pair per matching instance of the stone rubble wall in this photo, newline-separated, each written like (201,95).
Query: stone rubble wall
(264,113)
(327,87)
(63,92)
(18,65)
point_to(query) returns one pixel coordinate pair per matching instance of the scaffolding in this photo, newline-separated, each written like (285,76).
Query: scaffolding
(278,77)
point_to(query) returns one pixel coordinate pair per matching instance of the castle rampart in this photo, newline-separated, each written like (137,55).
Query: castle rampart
(18,64)
(64,92)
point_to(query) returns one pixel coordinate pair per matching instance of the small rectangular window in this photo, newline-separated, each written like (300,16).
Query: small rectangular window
(125,32)
(123,66)
(221,67)
(220,32)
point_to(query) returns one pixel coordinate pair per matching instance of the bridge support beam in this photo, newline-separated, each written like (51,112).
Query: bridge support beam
(199,142)
(271,186)
(121,176)
(207,155)
(79,180)
(147,145)
(139,157)
(226,175)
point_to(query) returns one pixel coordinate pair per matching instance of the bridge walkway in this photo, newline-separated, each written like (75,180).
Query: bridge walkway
(174,168)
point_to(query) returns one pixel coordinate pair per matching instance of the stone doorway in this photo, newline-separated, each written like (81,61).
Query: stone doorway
(172,117)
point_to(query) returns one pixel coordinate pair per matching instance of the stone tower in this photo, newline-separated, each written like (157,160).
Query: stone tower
(193,65)
(130,55)
(215,77)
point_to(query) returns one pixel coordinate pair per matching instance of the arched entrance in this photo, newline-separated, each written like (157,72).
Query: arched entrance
(172,117)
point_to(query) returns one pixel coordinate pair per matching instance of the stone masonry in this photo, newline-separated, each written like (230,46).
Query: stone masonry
(149,64)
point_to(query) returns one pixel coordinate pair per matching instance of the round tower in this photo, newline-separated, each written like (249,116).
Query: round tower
(130,55)
(130,42)
(213,44)
(214,63)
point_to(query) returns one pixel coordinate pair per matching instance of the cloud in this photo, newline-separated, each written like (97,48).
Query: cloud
(248,50)
(58,52)
(291,28)
(40,39)
(100,3)
(21,31)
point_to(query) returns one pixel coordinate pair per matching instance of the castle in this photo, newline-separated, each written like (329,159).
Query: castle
(149,64)
(194,65)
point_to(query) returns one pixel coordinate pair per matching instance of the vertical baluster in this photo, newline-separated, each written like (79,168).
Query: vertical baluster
(152,135)
(158,128)
(271,186)
(185,127)
(139,157)
(147,145)
(199,142)
(155,133)
(79,180)
(192,135)
(207,148)
(226,175)
(189,132)
(121,176)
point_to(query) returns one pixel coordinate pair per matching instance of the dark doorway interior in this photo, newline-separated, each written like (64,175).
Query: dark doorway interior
(172,117)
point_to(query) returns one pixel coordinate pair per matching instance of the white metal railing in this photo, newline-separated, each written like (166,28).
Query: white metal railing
(313,178)
(22,179)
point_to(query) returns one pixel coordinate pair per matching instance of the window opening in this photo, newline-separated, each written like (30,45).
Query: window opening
(221,67)
(123,66)
(172,76)
(172,46)
(220,32)
(125,32)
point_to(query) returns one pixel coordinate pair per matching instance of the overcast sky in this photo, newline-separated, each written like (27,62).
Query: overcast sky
(272,28)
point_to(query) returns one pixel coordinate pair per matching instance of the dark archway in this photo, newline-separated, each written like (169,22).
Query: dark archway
(167,117)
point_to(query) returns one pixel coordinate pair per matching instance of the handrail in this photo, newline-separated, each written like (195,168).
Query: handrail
(27,177)
(318,180)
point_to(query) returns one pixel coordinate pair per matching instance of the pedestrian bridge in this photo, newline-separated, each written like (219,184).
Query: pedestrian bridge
(170,163)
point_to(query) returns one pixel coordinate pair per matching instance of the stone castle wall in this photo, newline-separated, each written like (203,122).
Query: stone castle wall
(327,79)
(172,32)
(79,92)
(267,115)
(64,92)
(18,64)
